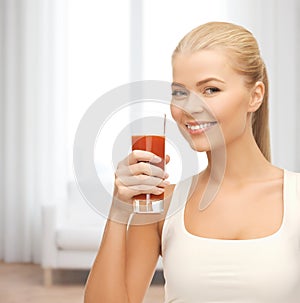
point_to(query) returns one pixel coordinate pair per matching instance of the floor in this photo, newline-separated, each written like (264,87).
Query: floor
(21,283)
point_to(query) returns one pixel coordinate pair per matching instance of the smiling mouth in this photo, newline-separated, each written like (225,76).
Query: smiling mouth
(199,127)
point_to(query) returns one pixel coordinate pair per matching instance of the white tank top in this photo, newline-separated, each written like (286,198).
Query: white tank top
(204,270)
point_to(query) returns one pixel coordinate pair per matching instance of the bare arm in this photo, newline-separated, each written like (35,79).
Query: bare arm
(107,276)
(124,265)
(126,259)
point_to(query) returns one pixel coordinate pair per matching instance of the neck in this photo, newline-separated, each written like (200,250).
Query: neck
(238,161)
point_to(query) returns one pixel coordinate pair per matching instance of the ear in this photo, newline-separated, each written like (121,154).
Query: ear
(257,96)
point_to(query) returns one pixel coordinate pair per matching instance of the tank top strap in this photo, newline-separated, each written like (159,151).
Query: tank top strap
(180,196)
(291,199)
(172,223)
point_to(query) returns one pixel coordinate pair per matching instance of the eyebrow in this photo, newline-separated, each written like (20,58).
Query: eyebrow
(177,84)
(199,83)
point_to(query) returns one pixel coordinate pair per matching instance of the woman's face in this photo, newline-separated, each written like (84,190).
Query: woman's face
(208,98)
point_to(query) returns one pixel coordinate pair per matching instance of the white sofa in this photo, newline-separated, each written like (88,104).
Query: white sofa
(71,235)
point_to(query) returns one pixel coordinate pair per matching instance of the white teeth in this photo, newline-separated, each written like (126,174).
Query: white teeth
(200,126)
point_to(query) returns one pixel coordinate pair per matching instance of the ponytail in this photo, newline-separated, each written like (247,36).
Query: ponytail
(260,121)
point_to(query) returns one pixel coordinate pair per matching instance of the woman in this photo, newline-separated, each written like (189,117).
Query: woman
(242,247)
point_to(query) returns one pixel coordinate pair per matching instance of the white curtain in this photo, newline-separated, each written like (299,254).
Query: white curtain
(275,23)
(33,136)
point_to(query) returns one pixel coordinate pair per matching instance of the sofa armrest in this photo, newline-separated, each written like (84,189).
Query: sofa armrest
(49,249)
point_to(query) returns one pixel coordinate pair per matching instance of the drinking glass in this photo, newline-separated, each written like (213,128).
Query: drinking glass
(149,134)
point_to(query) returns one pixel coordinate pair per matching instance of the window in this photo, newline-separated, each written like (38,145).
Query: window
(111,43)
(97,53)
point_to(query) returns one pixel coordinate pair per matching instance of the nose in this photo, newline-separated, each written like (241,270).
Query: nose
(193,105)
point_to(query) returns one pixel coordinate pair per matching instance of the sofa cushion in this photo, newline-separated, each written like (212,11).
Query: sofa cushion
(79,238)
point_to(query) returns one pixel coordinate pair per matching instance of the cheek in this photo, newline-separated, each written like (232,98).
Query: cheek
(232,118)
(176,112)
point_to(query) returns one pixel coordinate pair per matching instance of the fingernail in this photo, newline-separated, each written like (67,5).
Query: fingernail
(156,159)
(167,182)
(166,175)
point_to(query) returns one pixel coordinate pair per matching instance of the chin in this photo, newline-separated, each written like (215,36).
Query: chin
(200,148)
(197,144)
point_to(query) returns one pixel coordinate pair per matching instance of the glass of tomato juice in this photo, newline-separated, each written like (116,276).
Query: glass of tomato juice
(149,135)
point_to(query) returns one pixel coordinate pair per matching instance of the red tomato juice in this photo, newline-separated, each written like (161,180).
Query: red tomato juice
(156,145)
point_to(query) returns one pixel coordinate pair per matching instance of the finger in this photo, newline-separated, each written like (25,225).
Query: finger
(143,180)
(144,189)
(140,168)
(147,169)
(167,159)
(141,156)
(126,193)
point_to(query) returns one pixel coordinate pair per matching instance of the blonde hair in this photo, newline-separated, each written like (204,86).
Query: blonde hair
(243,48)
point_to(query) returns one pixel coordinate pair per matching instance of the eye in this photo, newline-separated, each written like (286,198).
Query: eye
(211,90)
(180,94)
